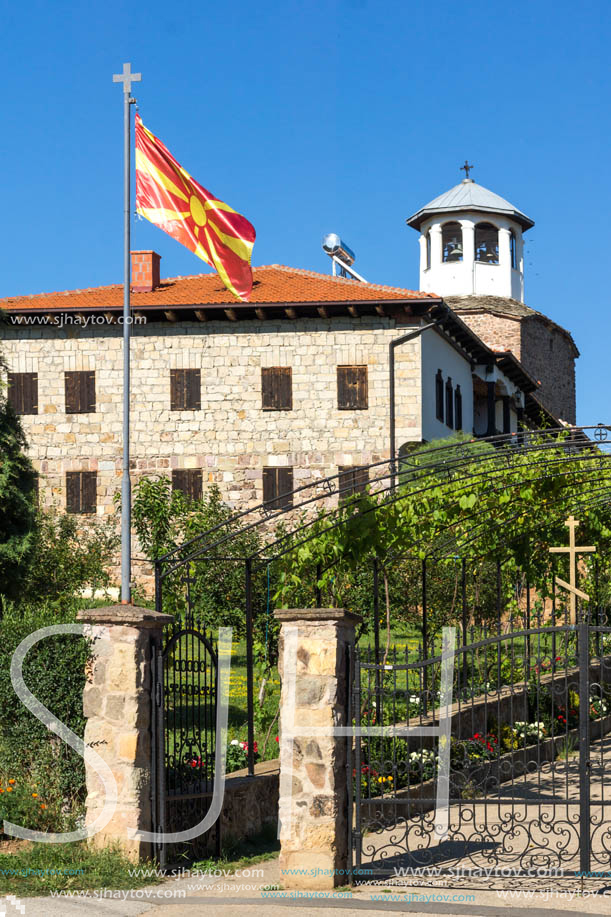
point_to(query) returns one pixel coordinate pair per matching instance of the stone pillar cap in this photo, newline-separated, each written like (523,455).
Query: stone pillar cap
(317,614)
(131,615)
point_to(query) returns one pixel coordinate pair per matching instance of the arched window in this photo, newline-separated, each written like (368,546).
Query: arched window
(512,248)
(451,241)
(487,243)
(428,249)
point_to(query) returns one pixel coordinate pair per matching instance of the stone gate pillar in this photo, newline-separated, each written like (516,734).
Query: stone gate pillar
(116,702)
(313,810)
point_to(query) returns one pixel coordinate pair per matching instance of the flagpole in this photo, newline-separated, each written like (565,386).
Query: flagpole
(127,77)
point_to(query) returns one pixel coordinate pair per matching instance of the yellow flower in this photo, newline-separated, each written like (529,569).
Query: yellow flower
(11,781)
(9,789)
(1,790)
(34,795)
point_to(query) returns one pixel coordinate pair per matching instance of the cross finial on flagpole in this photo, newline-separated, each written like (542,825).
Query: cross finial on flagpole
(127,78)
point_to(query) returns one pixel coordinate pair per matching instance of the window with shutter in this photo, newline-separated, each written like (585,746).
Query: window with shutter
(449,403)
(81,492)
(23,392)
(189,481)
(353,479)
(278,487)
(457,408)
(185,390)
(439,396)
(80,392)
(276,388)
(352,392)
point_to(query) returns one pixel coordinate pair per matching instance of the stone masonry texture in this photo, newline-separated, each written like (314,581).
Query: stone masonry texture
(230,438)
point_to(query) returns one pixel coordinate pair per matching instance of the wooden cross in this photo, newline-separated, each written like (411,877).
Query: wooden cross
(466,168)
(127,78)
(572,551)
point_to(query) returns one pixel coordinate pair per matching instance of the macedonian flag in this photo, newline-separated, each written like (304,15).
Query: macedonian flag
(168,196)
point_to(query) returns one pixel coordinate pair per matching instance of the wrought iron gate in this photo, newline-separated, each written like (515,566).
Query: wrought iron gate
(532,799)
(184,699)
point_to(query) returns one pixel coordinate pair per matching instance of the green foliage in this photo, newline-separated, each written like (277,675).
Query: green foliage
(165,519)
(475,504)
(17,502)
(54,670)
(68,556)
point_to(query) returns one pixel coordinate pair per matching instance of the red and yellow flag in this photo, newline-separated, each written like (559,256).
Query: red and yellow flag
(168,197)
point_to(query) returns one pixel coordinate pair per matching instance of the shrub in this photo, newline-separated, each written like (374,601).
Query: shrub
(67,557)
(54,670)
(17,495)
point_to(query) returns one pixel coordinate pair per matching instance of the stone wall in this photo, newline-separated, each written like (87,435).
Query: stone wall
(231,438)
(250,804)
(544,351)
(549,357)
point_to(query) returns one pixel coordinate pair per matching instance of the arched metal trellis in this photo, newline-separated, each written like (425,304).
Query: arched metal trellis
(575,461)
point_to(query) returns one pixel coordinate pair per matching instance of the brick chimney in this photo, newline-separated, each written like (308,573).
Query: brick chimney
(145,271)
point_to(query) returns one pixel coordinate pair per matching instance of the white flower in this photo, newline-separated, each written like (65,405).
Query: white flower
(234,742)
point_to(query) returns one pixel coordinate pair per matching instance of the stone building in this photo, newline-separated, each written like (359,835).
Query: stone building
(259,397)
(472,254)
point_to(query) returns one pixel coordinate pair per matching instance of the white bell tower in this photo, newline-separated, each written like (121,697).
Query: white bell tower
(471,243)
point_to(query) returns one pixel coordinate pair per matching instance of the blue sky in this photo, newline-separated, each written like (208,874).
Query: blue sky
(345,115)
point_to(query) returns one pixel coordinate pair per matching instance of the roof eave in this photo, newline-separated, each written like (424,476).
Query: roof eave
(418,218)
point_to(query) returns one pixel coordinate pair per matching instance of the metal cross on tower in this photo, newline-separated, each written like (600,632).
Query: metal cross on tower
(466,168)
(572,551)
(127,78)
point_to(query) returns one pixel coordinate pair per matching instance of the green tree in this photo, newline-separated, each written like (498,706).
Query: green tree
(17,503)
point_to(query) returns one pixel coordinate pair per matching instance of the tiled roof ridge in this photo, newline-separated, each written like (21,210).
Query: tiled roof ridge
(317,275)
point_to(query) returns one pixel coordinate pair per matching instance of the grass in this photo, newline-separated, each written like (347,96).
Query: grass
(65,867)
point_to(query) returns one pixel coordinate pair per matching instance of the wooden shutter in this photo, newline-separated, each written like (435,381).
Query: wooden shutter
(449,403)
(15,392)
(89,491)
(73,492)
(81,491)
(457,408)
(30,393)
(276,388)
(87,392)
(177,396)
(352,479)
(278,487)
(352,389)
(189,482)
(80,392)
(439,396)
(185,389)
(72,395)
(194,482)
(269,484)
(193,389)
(23,392)
(285,487)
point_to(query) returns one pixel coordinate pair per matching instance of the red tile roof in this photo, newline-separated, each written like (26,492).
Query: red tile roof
(273,283)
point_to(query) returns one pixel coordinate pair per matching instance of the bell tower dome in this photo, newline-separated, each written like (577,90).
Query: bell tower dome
(471,243)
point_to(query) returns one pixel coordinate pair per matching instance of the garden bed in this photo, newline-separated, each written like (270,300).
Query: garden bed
(477,781)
